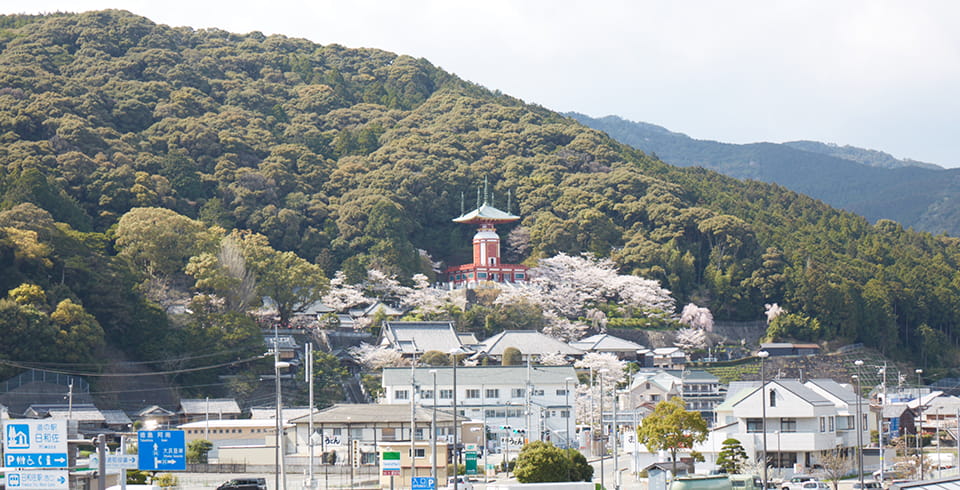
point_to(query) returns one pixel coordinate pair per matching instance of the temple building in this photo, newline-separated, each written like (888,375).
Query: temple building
(486,266)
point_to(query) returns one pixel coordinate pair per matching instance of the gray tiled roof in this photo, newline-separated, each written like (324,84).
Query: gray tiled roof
(528,342)
(837,390)
(115,417)
(371,412)
(409,337)
(479,375)
(606,342)
(198,406)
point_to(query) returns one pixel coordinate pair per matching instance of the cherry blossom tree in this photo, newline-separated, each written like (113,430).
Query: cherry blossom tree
(426,300)
(691,338)
(376,357)
(773,311)
(589,398)
(342,296)
(697,317)
(553,359)
(562,328)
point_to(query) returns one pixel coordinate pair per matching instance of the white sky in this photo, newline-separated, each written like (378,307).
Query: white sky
(878,74)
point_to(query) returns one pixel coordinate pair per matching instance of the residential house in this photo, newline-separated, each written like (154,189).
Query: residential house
(87,416)
(700,390)
(202,409)
(662,357)
(608,344)
(531,344)
(538,400)
(155,417)
(802,423)
(415,338)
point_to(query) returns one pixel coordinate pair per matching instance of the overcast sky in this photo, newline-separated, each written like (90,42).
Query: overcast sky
(877,74)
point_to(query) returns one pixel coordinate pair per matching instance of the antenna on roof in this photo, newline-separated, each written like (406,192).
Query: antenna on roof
(462,210)
(486,191)
(509,196)
(478,197)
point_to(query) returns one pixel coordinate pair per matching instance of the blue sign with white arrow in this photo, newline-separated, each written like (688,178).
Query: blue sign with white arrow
(161,450)
(35,443)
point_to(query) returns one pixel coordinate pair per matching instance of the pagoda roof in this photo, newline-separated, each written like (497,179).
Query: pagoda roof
(486,214)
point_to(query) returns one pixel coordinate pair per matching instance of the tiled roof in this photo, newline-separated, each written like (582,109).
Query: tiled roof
(199,406)
(371,412)
(606,342)
(528,342)
(420,337)
(837,390)
(486,213)
(115,417)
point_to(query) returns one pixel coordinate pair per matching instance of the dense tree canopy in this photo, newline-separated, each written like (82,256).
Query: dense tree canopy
(355,159)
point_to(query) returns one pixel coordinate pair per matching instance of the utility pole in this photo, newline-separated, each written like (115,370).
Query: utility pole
(310,483)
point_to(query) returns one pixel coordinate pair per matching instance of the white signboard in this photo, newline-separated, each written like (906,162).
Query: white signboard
(38,480)
(35,443)
(116,461)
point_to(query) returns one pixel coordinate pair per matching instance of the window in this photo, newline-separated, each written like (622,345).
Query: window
(446,394)
(401,394)
(428,394)
(492,413)
(754,425)
(773,398)
(518,392)
(831,425)
(823,424)
(564,413)
(337,431)
(356,433)
(788,425)
(369,458)
(473,393)
(481,275)
(493,261)
(518,275)
(537,392)
(493,393)
(561,392)
(388,434)
(421,453)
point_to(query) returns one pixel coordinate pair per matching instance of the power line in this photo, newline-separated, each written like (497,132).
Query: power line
(20,365)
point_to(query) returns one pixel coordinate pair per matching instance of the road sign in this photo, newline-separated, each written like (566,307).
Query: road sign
(35,443)
(391,463)
(39,480)
(161,450)
(423,483)
(116,461)
(470,458)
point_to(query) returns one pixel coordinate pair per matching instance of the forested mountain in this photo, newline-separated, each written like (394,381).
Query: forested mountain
(870,183)
(872,158)
(139,158)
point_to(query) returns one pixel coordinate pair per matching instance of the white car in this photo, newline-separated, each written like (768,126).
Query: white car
(815,485)
(462,483)
(796,482)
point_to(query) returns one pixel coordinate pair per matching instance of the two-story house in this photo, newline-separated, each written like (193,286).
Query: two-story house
(538,400)
(803,421)
(700,390)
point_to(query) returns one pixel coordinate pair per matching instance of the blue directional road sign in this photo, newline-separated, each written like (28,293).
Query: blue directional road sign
(35,443)
(38,480)
(161,450)
(423,483)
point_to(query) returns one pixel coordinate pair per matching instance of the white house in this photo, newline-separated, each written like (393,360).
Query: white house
(802,422)
(539,400)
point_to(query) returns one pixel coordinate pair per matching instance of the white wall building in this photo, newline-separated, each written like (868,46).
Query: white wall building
(802,422)
(538,399)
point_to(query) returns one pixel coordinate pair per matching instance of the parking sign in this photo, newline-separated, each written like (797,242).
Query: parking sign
(35,443)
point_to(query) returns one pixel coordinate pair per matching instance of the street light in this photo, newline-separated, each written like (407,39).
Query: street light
(603,430)
(566,391)
(456,460)
(859,426)
(280,470)
(919,422)
(433,429)
(763,422)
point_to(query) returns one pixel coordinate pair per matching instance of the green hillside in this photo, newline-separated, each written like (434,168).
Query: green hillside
(358,158)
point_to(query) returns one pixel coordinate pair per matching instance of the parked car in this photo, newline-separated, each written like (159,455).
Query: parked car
(867,485)
(244,484)
(815,485)
(462,483)
(796,482)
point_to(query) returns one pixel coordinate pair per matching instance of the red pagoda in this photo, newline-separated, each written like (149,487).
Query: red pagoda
(486,266)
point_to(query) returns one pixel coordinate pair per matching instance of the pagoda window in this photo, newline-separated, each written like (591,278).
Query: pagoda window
(470,275)
(518,275)
(493,261)
(481,275)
